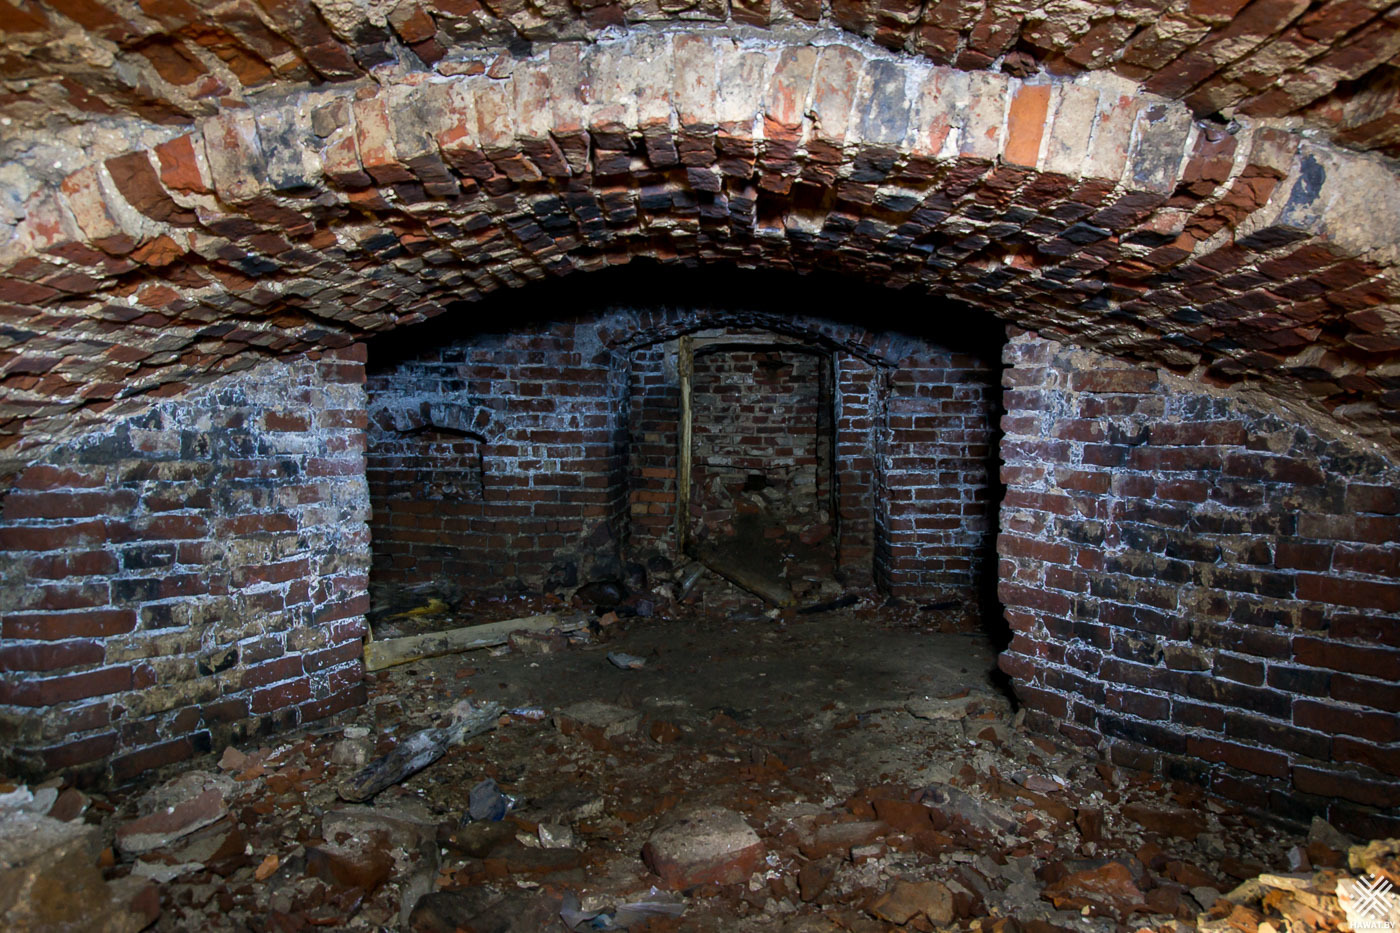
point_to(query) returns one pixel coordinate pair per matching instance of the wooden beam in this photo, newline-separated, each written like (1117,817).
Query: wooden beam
(685,369)
(389,652)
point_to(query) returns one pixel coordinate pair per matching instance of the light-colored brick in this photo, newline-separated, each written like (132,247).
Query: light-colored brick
(235,156)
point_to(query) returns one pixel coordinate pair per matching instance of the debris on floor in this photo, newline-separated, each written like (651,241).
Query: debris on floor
(627,662)
(466,720)
(50,877)
(815,774)
(745,575)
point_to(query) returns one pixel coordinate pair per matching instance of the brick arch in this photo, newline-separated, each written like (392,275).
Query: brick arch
(469,419)
(1331,64)
(1079,209)
(657,325)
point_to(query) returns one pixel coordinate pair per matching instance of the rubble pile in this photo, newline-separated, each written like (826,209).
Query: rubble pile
(823,773)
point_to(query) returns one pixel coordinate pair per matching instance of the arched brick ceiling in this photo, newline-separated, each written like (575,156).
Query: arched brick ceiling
(1331,63)
(1074,207)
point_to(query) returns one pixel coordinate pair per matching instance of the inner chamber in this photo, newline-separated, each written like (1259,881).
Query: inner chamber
(713,449)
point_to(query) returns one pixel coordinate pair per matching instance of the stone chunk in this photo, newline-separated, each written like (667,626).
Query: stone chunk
(907,900)
(1327,834)
(941,708)
(904,816)
(476,910)
(175,809)
(704,845)
(405,823)
(595,718)
(49,880)
(356,863)
(477,839)
(1110,886)
(69,805)
(1166,821)
(960,809)
(814,877)
(840,838)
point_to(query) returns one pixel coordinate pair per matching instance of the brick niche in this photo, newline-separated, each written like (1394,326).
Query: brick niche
(762,426)
(1204,584)
(901,461)
(497,462)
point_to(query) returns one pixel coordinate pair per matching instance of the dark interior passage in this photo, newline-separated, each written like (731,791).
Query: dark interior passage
(761,475)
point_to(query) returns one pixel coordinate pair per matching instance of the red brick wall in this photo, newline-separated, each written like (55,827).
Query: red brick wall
(1213,589)
(936,449)
(653,420)
(543,410)
(653,413)
(190,577)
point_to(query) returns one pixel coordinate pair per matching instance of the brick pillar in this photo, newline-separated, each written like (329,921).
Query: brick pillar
(856,400)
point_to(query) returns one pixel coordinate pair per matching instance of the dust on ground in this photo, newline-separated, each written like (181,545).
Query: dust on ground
(888,781)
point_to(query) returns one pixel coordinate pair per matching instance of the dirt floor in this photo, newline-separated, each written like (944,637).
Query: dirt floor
(888,782)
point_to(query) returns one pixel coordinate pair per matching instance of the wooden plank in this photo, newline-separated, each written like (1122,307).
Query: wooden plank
(685,368)
(752,340)
(389,652)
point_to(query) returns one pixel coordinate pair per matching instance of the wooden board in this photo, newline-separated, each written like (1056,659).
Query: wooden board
(393,651)
(685,369)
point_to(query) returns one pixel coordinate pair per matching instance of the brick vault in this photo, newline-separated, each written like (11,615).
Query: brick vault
(1187,216)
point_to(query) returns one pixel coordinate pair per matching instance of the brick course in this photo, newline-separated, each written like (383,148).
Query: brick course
(1264,60)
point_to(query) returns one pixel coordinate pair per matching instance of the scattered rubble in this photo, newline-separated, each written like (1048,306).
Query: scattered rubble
(420,750)
(626,662)
(50,880)
(767,775)
(596,720)
(390,652)
(746,576)
(907,900)
(486,803)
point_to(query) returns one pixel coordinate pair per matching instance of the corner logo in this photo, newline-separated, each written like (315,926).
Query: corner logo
(1369,904)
